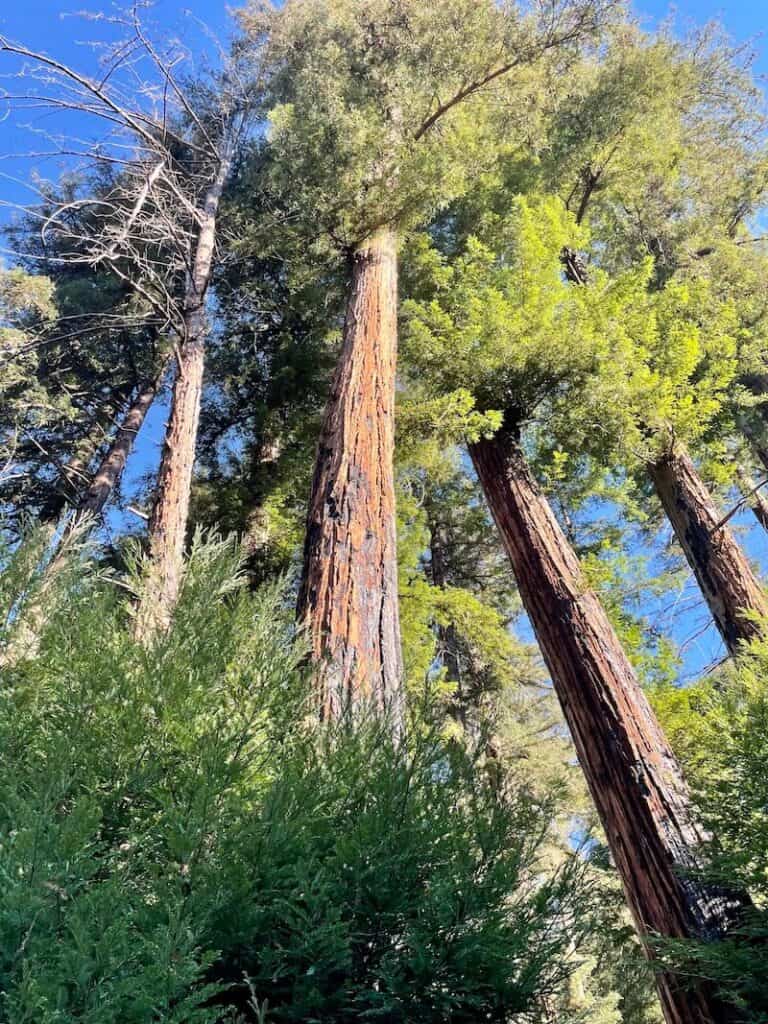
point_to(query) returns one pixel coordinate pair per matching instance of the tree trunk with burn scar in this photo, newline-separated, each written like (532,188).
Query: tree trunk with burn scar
(634,779)
(168,522)
(721,568)
(348,598)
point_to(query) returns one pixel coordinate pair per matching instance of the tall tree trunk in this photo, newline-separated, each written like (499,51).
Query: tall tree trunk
(721,568)
(348,598)
(110,470)
(632,774)
(168,522)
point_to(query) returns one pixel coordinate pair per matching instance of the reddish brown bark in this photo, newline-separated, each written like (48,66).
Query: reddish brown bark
(168,522)
(721,568)
(348,598)
(635,782)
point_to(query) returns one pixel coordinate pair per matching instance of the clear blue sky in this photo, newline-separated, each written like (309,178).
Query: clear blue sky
(44,24)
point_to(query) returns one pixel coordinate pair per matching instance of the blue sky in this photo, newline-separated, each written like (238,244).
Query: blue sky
(48,25)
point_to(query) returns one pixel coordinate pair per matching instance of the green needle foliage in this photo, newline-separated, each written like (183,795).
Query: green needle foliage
(179,841)
(382,113)
(720,729)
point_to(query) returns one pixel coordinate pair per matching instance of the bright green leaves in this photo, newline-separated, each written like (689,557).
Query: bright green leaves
(612,367)
(385,111)
(502,321)
(689,364)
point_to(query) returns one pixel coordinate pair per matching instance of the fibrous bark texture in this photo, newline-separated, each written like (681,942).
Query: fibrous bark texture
(722,570)
(348,598)
(168,522)
(634,779)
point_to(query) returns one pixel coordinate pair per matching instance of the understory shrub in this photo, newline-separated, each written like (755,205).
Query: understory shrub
(180,842)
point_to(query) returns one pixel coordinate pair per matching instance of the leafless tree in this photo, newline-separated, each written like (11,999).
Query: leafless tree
(167,144)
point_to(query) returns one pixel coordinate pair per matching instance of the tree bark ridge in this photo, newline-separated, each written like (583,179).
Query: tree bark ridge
(634,779)
(348,599)
(718,562)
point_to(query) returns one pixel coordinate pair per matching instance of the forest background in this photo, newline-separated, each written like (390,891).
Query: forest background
(425,848)
(684,619)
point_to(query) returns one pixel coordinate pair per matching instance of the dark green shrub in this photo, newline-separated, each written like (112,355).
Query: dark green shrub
(179,843)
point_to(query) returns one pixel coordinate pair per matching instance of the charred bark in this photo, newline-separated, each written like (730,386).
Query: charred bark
(722,570)
(170,512)
(634,779)
(348,599)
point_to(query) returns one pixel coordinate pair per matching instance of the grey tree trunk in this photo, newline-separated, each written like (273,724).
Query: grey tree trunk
(168,522)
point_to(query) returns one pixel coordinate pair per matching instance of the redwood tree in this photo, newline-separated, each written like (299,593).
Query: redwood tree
(734,595)
(632,774)
(356,139)
(349,588)
(695,115)
(503,320)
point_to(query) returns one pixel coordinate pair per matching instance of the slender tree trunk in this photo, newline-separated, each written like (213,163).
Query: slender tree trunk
(448,645)
(168,522)
(348,598)
(446,635)
(110,470)
(76,475)
(31,618)
(721,568)
(754,498)
(635,782)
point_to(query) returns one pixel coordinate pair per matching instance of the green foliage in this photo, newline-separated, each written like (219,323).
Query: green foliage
(380,884)
(657,144)
(500,321)
(122,769)
(385,112)
(179,843)
(26,303)
(720,730)
(624,587)
(602,372)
